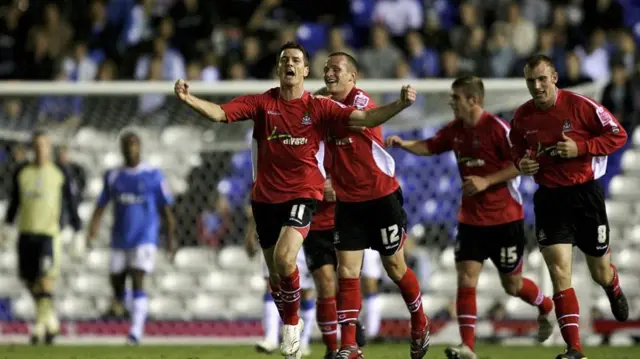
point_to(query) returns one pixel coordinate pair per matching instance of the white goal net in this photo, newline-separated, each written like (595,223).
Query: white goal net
(208,167)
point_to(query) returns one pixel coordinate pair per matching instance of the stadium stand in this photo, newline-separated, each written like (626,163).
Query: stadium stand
(97,41)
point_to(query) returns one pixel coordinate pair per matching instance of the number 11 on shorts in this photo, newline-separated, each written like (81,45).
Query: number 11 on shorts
(390,235)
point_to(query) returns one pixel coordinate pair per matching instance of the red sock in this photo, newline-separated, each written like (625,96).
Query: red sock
(532,294)
(290,293)
(349,302)
(614,286)
(467,315)
(277,299)
(410,289)
(568,314)
(327,318)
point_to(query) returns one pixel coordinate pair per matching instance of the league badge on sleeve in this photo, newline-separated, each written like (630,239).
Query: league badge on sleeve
(360,101)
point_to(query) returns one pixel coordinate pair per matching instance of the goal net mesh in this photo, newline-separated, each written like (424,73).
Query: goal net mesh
(208,167)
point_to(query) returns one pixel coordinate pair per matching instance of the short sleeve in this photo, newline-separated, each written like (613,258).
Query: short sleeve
(502,141)
(105,195)
(441,142)
(242,108)
(335,112)
(162,192)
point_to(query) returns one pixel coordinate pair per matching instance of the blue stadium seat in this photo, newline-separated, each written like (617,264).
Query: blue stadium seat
(235,188)
(241,162)
(312,36)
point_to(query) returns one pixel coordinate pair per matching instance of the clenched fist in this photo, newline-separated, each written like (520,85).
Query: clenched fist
(408,95)
(181,88)
(394,141)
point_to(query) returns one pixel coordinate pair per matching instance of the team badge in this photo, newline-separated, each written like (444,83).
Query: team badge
(306,119)
(360,101)
(566,127)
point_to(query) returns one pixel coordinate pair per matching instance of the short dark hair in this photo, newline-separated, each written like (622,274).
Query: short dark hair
(350,59)
(472,86)
(537,59)
(38,133)
(128,134)
(296,46)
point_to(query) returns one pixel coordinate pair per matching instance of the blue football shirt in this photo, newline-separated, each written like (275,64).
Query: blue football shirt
(138,196)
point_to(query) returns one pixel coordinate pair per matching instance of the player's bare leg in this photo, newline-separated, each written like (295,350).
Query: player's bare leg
(559,261)
(140,306)
(324,279)
(372,305)
(468,273)
(308,316)
(285,255)
(605,273)
(396,268)
(517,286)
(117,309)
(349,302)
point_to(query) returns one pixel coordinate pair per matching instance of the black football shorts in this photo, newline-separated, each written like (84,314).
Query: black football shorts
(503,244)
(271,217)
(35,256)
(379,224)
(319,250)
(575,214)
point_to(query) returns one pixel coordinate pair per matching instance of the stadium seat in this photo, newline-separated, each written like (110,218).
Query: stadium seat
(444,283)
(434,303)
(8,261)
(247,307)
(630,162)
(519,309)
(167,308)
(447,259)
(90,137)
(85,211)
(207,307)
(484,303)
(90,284)
(194,259)
(633,235)
(489,284)
(98,259)
(624,188)
(178,283)
(23,308)
(221,282)
(76,308)
(185,137)
(534,260)
(630,283)
(257,282)
(393,306)
(635,138)
(177,185)
(111,159)
(94,187)
(235,258)
(627,260)
(10,286)
(162,264)
(618,212)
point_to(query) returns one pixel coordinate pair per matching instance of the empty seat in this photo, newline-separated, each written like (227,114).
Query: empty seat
(94,187)
(393,306)
(90,285)
(8,261)
(257,282)
(434,303)
(618,212)
(518,309)
(443,283)
(85,211)
(624,188)
(220,282)
(235,258)
(179,283)
(10,286)
(23,308)
(489,283)
(165,307)
(194,259)
(98,260)
(630,283)
(534,260)
(76,308)
(627,260)
(206,307)
(630,161)
(247,306)
(447,258)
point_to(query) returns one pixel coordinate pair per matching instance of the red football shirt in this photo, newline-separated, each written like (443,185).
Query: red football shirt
(480,151)
(324,219)
(596,132)
(362,168)
(287,137)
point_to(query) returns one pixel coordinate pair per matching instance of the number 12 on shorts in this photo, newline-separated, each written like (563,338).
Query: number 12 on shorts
(390,235)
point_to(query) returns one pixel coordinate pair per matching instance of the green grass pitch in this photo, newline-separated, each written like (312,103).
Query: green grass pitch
(383,351)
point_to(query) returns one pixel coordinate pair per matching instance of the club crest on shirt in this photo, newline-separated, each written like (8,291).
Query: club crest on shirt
(566,126)
(360,101)
(306,119)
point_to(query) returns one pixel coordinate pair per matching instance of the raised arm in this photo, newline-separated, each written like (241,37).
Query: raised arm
(208,109)
(379,115)
(417,147)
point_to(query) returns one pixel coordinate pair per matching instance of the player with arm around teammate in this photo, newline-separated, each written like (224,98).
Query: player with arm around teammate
(563,140)
(491,216)
(40,189)
(289,127)
(363,177)
(140,197)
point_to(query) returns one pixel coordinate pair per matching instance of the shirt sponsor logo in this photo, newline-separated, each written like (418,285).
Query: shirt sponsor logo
(470,161)
(130,198)
(286,138)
